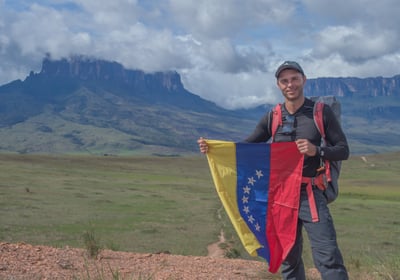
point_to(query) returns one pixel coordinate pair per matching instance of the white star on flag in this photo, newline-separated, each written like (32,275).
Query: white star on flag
(251,181)
(246,189)
(251,219)
(259,173)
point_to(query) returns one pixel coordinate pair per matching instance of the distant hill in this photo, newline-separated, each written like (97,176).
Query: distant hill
(81,105)
(370,110)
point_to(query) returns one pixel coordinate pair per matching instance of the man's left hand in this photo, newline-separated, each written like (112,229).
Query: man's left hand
(306,148)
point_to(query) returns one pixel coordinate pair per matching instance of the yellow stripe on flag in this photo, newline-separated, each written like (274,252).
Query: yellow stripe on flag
(221,158)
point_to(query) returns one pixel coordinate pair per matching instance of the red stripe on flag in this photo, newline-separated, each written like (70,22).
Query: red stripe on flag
(283,201)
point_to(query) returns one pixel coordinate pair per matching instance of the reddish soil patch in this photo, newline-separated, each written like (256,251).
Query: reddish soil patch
(24,261)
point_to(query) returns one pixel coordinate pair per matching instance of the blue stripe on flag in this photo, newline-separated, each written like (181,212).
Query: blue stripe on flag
(253,170)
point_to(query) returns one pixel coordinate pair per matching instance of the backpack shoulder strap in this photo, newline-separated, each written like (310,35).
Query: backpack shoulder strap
(276,120)
(319,122)
(319,118)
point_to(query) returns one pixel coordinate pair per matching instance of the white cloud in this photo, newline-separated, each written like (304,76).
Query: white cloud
(356,44)
(233,90)
(43,30)
(219,19)
(111,15)
(226,51)
(145,49)
(376,14)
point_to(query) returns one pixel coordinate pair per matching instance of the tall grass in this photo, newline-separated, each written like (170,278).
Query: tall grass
(92,243)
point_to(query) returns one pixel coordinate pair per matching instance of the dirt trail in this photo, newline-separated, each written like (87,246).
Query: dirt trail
(214,249)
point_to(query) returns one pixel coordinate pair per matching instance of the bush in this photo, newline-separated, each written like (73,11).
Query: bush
(92,243)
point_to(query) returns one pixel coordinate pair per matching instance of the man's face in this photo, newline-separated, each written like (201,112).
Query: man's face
(291,83)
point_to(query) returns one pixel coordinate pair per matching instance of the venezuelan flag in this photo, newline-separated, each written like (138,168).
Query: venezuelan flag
(259,187)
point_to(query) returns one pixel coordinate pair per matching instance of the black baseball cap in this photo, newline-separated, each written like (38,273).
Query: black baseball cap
(289,65)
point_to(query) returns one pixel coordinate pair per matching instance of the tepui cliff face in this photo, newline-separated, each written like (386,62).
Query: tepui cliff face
(84,69)
(348,87)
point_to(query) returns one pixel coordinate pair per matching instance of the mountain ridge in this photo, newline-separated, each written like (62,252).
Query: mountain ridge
(82,105)
(348,86)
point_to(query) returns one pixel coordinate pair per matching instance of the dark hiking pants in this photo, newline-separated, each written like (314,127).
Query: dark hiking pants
(322,235)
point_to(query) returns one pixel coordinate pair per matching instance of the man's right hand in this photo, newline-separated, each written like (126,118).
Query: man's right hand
(202,145)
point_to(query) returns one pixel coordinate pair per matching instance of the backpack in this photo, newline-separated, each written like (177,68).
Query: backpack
(330,170)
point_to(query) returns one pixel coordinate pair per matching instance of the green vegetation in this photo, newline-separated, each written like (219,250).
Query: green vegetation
(132,203)
(92,243)
(370,123)
(154,204)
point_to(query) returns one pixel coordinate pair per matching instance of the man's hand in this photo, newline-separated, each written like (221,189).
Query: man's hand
(202,145)
(306,148)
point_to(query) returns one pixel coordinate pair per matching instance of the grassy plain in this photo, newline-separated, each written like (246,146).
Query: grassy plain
(152,204)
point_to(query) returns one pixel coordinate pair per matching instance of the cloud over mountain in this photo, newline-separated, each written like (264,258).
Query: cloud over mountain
(219,48)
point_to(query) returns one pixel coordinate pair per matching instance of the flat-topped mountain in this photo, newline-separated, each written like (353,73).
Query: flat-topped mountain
(83,105)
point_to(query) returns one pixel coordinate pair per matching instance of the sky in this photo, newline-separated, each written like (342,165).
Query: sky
(226,51)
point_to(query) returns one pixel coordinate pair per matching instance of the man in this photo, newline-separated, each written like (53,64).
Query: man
(298,125)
